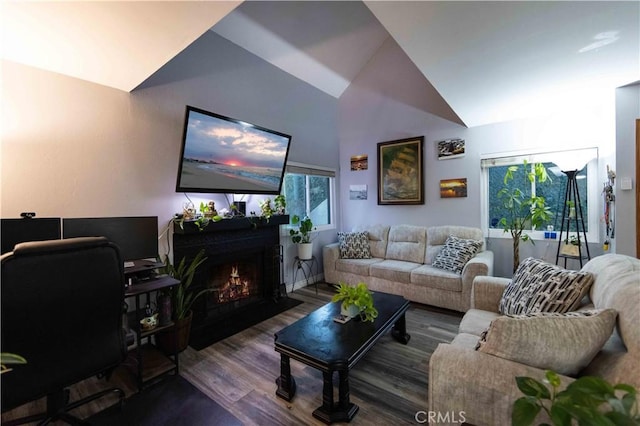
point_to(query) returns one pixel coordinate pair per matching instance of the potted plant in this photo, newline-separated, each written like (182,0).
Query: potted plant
(176,338)
(356,300)
(524,212)
(571,245)
(302,236)
(266,210)
(588,400)
(280,204)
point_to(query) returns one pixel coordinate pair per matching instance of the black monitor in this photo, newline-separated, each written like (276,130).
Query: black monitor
(16,231)
(137,237)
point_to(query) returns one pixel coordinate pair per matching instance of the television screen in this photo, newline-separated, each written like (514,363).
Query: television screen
(224,155)
(16,231)
(137,237)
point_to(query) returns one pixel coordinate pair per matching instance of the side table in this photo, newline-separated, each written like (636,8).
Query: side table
(307,266)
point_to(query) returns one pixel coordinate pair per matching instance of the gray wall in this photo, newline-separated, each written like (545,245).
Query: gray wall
(72,148)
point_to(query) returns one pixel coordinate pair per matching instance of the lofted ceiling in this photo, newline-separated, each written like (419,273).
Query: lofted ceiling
(490,61)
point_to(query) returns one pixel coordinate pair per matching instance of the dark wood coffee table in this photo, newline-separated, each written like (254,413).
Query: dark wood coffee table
(318,341)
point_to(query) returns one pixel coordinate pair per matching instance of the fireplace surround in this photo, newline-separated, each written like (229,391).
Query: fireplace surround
(242,268)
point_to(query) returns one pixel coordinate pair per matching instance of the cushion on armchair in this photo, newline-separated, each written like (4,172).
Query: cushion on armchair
(565,343)
(354,245)
(538,286)
(456,253)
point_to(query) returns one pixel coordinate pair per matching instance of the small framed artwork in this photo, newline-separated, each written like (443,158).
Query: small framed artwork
(400,172)
(357,192)
(450,148)
(453,188)
(359,162)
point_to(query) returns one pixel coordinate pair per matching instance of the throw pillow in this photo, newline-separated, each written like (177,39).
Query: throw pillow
(456,253)
(565,343)
(538,286)
(354,245)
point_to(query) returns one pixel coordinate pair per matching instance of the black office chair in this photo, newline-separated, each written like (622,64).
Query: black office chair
(61,311)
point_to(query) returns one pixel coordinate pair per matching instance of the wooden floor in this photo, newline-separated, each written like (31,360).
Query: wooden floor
(389,383)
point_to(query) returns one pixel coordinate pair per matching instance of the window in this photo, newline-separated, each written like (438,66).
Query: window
(309,192)
(553,190)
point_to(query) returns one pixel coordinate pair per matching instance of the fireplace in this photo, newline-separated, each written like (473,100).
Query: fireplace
(242,272)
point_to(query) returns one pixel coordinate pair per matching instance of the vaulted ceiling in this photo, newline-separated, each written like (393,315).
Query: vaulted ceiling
(490,61)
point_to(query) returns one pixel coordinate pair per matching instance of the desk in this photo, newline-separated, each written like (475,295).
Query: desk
(307,266)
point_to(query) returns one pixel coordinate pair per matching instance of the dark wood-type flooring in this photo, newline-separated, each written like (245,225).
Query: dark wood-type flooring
(389,383)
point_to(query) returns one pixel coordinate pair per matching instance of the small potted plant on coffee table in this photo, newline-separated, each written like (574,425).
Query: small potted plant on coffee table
(356,300)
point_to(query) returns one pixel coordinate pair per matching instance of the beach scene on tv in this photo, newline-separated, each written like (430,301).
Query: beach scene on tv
(231,157)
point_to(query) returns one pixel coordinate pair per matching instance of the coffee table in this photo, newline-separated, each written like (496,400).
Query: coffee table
(318,341)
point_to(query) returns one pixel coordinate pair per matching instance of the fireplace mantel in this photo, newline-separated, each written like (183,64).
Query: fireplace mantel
(250,241)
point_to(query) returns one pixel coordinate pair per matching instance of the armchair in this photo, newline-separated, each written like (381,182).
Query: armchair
(62,311)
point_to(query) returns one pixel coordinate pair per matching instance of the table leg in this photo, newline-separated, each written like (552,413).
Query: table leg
(286,383)
(330,412)
(399,331)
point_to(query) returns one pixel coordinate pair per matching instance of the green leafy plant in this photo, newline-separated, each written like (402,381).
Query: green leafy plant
(280,203)
(266,210)
(182,298)
(588,400)
(523,211)
(303,233)
(359,296)
(7,358)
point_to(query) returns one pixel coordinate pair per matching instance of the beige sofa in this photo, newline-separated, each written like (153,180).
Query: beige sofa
(401,263)
(482,385)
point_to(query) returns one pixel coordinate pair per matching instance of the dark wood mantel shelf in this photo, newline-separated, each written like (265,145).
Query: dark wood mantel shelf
(236,223)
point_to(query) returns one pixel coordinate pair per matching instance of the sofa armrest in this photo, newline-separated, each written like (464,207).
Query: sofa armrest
(477,386)
(480,264)
(487,292)
(330,253)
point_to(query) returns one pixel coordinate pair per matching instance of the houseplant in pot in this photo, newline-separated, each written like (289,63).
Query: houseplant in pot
(302,236)
(176,338)
(356,300)
(523,211)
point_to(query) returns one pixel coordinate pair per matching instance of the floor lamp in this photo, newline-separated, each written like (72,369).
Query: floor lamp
(570,214)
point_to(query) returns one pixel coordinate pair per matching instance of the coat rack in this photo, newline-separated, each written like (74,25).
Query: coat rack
(572,211)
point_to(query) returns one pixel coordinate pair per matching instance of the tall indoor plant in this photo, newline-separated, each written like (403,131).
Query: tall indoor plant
(302,236)
(523,211)
(176,339)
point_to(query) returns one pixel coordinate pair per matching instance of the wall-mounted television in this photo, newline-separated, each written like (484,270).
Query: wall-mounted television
(224,155)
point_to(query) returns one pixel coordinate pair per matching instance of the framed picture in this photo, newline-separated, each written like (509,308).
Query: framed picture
(359,162)
(357,192)
(453,188)
(400,172)
(450,148)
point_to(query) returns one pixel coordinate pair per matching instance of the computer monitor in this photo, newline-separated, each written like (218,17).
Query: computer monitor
(14,231)
(137,236)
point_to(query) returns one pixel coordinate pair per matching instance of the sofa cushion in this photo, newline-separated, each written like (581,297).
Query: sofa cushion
(378,238)
(565,343)
(356,266)
(456,253)
(354,245)
(538,286)
(393,270)
(428,276)
(437,236)
(407,243)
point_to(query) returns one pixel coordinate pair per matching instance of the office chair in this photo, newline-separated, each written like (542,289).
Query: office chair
(61,311)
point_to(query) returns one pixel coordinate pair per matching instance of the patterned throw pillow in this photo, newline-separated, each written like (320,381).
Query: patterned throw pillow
(456,253)
(538,286)
(565,343)
(354,245)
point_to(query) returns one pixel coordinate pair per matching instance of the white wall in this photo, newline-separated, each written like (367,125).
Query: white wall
(627,111)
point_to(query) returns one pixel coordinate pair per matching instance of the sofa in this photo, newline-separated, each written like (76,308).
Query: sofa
(601,337)
(400,259)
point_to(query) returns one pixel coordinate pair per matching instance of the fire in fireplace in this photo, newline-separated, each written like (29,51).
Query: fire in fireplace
(240,283)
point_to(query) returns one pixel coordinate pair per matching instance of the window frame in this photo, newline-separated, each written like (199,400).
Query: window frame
(517,158)
(311,170)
